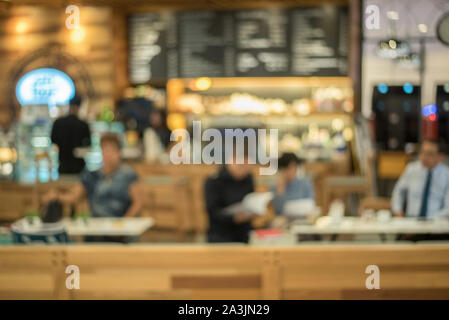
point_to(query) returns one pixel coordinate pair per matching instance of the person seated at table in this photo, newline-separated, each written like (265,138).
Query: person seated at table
(424,185)
(112,191)
(289,186)
(228,187)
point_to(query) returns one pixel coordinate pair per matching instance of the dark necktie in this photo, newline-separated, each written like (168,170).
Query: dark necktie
(425,197)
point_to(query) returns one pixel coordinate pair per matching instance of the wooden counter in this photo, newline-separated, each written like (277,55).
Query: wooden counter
(407,271)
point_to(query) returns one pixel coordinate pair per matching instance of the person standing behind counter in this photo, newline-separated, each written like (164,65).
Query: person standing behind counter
(68,133)
(424,185)
(289,186)
(158,122)
(156,138)
(112,191)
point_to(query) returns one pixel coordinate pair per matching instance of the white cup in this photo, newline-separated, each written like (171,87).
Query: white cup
(337,212)
(383,216)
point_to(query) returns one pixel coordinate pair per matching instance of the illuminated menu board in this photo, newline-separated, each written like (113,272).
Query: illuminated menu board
(249,43)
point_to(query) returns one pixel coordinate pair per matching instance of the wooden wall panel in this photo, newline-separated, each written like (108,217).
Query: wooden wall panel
(120,47)
(43,26)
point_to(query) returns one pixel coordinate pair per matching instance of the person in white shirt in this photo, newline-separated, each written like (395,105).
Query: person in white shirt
(423,189)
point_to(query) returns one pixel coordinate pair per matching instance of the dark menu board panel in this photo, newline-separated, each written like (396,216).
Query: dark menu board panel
(202,38)
(315,42)
(152,46)
(250,43)
(261,43)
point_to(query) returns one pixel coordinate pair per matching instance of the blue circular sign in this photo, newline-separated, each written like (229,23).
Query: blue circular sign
(382,88)
(45,86)
(408,88)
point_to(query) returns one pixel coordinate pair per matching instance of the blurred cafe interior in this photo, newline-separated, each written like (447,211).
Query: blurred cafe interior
(120,124)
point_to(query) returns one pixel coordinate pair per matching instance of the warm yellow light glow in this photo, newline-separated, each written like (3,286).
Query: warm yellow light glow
(422,28)
(132,137)
(7,168)
(8,155)
(348,134)
(21,26)
(302,106)
(393,15)
(348,106)
(203,84)
(338,124)
(78,35)
(176,121)
(392,44)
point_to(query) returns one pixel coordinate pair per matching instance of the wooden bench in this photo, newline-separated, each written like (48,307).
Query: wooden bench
(407,271)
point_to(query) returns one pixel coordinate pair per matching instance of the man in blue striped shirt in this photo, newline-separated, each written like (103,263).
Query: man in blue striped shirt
(289,186)
(424,186)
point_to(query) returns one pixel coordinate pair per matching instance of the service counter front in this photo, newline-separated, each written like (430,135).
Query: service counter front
(398,271)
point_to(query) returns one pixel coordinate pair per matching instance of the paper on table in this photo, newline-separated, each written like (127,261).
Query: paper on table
(255,202)
(299,208)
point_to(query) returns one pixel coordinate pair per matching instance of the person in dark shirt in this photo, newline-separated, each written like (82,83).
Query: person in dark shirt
(112,191)
(158,121)
(68,133)
(229,186)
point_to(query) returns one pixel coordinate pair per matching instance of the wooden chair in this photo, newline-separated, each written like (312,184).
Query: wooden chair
(375,203)
(168,200)
(196,175)
(343,186)
(39,187)
(15,200)
(391,164)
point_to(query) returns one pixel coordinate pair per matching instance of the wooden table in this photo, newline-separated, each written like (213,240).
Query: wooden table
(131,227)
(357,225)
